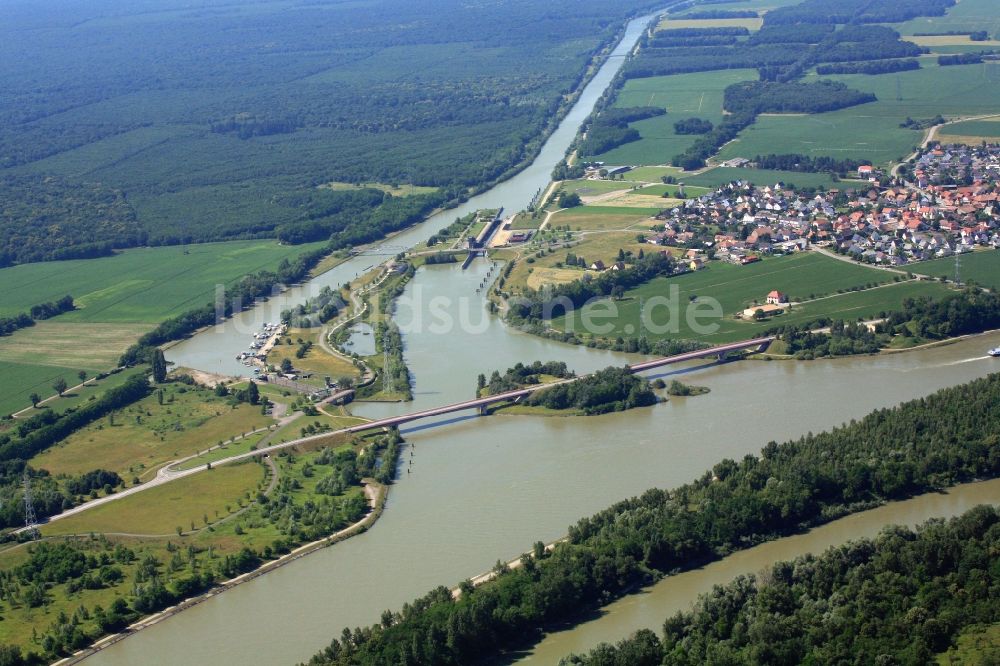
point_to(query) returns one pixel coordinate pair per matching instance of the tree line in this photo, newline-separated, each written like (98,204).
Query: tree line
(948,437)
(900,598)
(38,312)
(873,68)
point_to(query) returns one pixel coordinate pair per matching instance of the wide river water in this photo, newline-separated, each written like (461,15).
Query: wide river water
(485,488)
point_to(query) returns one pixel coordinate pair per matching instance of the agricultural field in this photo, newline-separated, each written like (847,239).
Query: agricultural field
(20,380)
(143,285)
(871,131)
(971,131)
(39,379)
(134,441)
(982,267)
(714,178)
(966,16)
(684,96)
(606,218)
(811,280)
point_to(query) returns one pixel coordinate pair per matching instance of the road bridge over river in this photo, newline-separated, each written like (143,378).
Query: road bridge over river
(176,470)
(720,351)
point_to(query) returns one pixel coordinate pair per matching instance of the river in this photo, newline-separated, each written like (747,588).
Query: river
(479,489)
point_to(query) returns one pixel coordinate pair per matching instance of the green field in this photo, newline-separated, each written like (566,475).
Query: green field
(147,434)
(145,285)
(871,131)
(162,509)
(981,267)
(602,218)
(984,128)
(683,96)
(967,16)
(19,380)
(718,176)
(804,276)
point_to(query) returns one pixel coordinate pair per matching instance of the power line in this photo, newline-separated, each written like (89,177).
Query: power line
(30,523)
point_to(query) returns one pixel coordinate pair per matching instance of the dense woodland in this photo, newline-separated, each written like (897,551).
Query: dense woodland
(948,437)
(900,598)
(122,126)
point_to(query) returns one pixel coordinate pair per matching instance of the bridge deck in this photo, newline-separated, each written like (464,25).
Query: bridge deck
(760,343)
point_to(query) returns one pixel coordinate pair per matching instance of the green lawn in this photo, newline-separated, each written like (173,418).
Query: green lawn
(802,276)
(981,267)
(683,96)
(871,131)
(144,285)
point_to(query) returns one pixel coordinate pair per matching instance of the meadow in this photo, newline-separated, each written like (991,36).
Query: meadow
(136,440)
(603,218)
(804,277)
(143,285)
(966,16)
(315,361)
(981,267)
(160,511)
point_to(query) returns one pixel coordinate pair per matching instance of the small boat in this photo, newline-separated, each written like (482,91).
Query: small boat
(995,352)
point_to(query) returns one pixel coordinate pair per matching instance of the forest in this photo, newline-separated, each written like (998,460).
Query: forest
(900,598)
(121,126)
(772,97)
(857,11)
(948,437)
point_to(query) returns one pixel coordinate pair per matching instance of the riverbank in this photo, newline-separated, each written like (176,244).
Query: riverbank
(647,607)
(377,495)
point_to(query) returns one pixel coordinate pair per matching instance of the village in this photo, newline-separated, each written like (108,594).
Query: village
(949,207)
